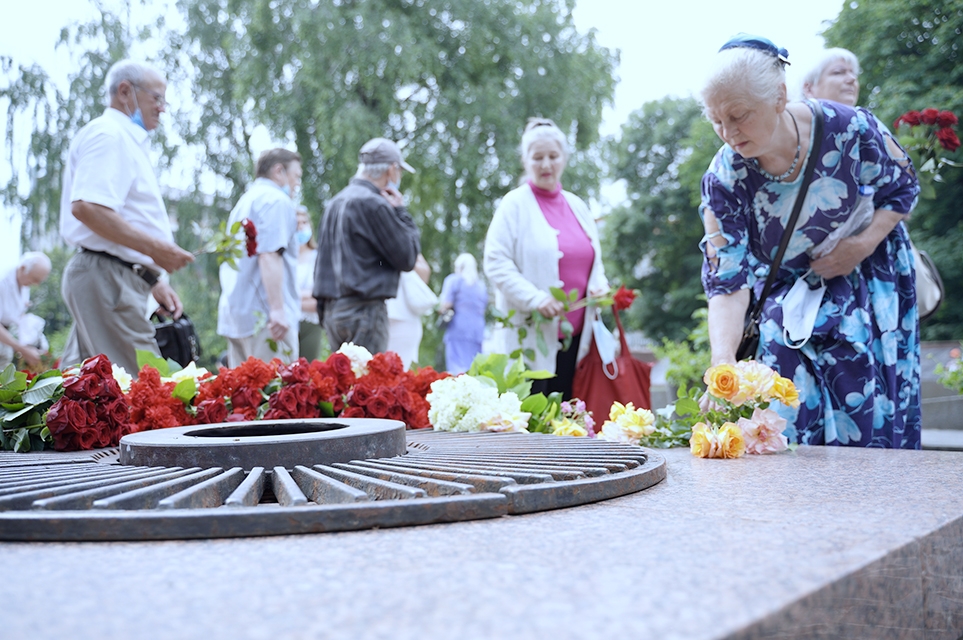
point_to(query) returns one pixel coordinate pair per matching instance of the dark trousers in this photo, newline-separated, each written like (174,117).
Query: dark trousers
(565,362)
(363,322)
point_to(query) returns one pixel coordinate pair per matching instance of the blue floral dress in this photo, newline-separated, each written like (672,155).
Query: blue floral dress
(858,376)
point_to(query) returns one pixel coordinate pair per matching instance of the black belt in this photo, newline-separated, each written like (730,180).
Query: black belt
(150,277)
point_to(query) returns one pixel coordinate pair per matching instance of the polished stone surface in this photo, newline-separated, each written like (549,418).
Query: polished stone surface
(821,542)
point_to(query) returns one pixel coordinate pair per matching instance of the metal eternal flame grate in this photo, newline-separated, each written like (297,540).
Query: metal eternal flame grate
(305,476)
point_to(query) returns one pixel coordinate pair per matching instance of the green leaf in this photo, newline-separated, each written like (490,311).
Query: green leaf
(558,294)
(541,344)
(272,344)
(686,406)
(8,375)
(538,374)
(535,403)
(152,360)
(42,390)
(572,295)
(327,409)
(8,396)
(185,390)
(21,441)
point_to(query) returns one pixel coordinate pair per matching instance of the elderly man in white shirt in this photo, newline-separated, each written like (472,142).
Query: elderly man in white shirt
(112,209)
(32,269)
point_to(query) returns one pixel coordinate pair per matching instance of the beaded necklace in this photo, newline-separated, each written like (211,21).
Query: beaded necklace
(795,160)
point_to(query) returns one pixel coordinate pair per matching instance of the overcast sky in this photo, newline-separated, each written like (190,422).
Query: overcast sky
(663,45)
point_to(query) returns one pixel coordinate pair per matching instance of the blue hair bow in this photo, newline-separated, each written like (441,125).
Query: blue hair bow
(749,41)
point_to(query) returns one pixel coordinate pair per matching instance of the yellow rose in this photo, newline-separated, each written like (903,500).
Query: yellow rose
(637,422)
(731,442)
(566,427)
(725,442)
(699,443)
(617,409)
(785,391)
(722,381)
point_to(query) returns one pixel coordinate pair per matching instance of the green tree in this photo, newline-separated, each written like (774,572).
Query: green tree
(452,81)
(913,61)
(652,241)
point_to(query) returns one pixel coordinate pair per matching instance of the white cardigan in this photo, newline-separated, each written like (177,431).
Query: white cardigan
(521,261)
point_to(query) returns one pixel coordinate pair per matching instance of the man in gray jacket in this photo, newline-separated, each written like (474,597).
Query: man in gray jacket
(365,240)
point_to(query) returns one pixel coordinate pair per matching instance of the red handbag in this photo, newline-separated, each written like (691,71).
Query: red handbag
(625,380)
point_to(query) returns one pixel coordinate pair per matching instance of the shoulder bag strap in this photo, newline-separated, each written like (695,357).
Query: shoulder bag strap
(800,197)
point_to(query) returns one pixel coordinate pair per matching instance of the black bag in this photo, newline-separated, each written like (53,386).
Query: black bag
(750,331)
(177,339)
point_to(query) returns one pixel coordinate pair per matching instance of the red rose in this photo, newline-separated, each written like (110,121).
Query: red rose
(337,403)
(378,406)
(236,417)
(111,389)
(946,119)
(395,412)
(341,364)
(118,413)
(83,387)
(623,298)
(212,411)
(65,441)
(76,416)
(285,399)
(912,118)
(88,439)
(360,395)
(929,116)
(247,397)
(106,439)
(56,418)
(295,372)
(948,139)
(353,412)
(250,237)
(99,365)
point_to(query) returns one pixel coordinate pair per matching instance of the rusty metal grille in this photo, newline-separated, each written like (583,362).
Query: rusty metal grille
(443,477)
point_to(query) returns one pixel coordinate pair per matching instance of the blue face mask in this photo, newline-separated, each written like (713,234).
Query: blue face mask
(286,188)
(303,236)
(138,117)
(394,185)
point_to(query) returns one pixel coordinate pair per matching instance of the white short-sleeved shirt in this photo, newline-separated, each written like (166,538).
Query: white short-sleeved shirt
(109,164)
(272,212)
(13,298)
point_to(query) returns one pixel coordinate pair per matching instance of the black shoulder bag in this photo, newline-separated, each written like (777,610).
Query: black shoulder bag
(750,332)
(176,339)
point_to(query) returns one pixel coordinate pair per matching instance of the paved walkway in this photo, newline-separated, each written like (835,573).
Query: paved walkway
(821,542)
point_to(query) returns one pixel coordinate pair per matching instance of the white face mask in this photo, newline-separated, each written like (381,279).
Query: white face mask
(800,306)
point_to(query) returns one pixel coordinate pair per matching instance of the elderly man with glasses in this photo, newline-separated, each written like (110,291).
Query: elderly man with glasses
(112,210)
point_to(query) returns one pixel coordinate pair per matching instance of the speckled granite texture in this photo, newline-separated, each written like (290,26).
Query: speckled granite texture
(819,543)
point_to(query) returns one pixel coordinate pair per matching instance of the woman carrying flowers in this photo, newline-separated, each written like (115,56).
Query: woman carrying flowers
(541,237)
(858,373)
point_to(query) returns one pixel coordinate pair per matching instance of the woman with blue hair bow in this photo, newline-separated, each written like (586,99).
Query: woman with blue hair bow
(854,357)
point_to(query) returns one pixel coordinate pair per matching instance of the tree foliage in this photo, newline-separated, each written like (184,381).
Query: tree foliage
(914,60)
(652,241)
(452,81)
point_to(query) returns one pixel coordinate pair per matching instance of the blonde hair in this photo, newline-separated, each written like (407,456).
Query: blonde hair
(467,267)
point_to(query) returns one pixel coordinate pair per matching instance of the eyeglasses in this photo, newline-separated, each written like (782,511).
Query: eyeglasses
(158,97)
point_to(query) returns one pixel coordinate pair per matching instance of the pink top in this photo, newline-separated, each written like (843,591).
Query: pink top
(578,255)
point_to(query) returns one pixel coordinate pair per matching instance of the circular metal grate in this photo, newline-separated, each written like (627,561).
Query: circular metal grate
(443,477)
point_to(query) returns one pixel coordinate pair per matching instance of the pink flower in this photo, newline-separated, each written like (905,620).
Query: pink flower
(763,432)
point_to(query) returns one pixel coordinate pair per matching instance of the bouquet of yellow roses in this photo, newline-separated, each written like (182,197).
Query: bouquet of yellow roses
(739,419)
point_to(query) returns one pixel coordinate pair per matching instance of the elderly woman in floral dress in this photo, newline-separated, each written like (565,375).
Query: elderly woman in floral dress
(858,373)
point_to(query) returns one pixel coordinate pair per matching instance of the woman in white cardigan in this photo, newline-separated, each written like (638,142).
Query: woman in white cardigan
(542,236)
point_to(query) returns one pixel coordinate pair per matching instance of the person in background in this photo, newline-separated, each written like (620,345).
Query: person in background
(540,237)
(310,333)
(264,306)
(32,269)
(112,209)
(835,77)
(365,240)
(404,324)
(858,373)
(467,297)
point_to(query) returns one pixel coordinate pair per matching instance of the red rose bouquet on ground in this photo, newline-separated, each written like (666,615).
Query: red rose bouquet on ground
(923,134)
(92,413)
(388,391)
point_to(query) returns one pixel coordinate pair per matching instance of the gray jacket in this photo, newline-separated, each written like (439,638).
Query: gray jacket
(363,245)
